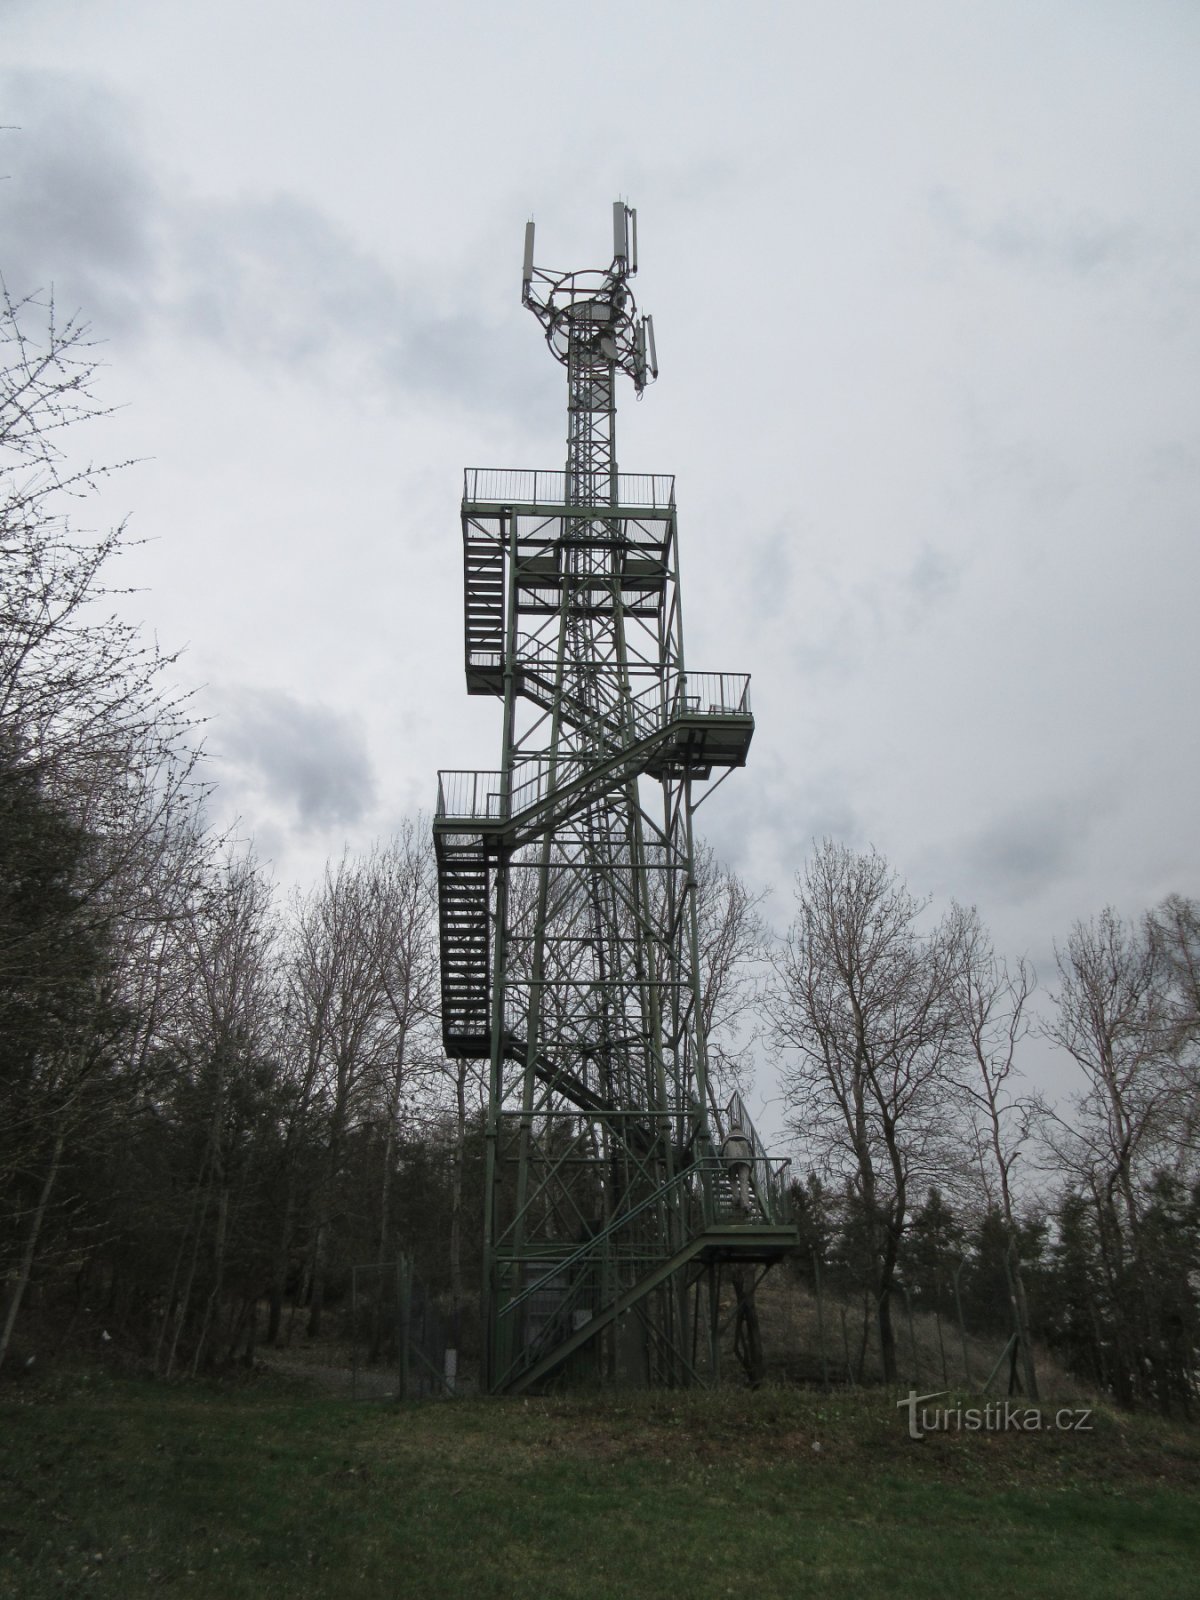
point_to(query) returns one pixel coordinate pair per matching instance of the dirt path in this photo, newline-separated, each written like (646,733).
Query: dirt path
(323,1370)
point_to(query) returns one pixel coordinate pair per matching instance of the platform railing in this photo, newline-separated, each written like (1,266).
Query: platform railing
(654,491)
(467,794)
(674,694)
(714,693)
(485,660)
(464,794)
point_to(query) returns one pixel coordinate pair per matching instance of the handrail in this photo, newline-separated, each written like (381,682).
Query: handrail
(769,1186)
(653,491)
(464,794)
(712,1173)
(706,1169)
(561,1264)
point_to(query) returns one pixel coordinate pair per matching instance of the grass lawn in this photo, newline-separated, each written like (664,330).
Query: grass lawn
(115,1487)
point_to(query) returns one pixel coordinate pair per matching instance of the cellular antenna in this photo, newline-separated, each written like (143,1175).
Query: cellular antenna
(620,231)
(617,1194)
(564,301)
(527,270)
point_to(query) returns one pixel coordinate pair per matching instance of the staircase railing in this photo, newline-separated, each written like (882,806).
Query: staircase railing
(468,794)
(568,1279)
(768,1174)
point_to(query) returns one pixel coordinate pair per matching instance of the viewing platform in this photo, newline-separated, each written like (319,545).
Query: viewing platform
(705,723)
(615,554)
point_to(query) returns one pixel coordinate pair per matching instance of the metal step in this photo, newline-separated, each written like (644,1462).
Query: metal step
(483,588)
(463,926)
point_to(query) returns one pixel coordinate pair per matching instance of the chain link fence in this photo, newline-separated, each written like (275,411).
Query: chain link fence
(400,1344)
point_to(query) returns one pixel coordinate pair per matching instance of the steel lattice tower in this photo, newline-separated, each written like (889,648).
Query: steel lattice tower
(570,956)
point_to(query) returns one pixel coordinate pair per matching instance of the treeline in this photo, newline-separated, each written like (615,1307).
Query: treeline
(207,1098)
(899,1044)
(216,1100)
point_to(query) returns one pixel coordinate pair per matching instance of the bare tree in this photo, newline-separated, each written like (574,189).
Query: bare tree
(732,944)
(1173,931)
(990,1008)
(308,984)
(338,973)
(92,740)
(859,1011)
(51,1108)
(404,927)
(1112,1016)
(223,1030)
(81,693)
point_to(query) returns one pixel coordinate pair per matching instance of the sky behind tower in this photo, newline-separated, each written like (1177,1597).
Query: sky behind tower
(924,280)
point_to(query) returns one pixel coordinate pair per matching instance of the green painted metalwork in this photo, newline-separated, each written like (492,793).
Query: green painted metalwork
(570,955)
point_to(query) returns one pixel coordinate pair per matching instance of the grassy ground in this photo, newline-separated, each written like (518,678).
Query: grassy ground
(115,1487)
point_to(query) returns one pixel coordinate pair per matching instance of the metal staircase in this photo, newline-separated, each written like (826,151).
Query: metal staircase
(565,1296)
(543,793)
(462,864)
(483,592)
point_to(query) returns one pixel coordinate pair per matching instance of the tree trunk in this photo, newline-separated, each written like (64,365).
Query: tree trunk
(185,1299)
(747,1336)
(316,1302)
(1020,1308)
(213,1304)
(887,1334)
(384,1252)
(864,1343)
(199,1202)
(28,1255)
(279,1269)
(456,1193)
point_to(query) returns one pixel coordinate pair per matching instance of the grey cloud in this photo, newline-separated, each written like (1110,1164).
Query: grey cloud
(79,206)
(468,358)
(768,576)
(270,279)
(1080,244)
(932,577)
(775,819)
(1029,468)
(1028,850)
(273,279)
(1175,461)
(839,615)
(306,757)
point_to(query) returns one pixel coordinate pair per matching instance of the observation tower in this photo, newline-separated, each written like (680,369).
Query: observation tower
(570,952)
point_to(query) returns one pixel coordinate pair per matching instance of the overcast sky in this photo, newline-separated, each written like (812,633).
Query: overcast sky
(925,284)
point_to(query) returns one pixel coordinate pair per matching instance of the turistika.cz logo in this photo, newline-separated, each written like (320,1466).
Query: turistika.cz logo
(998,1416)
